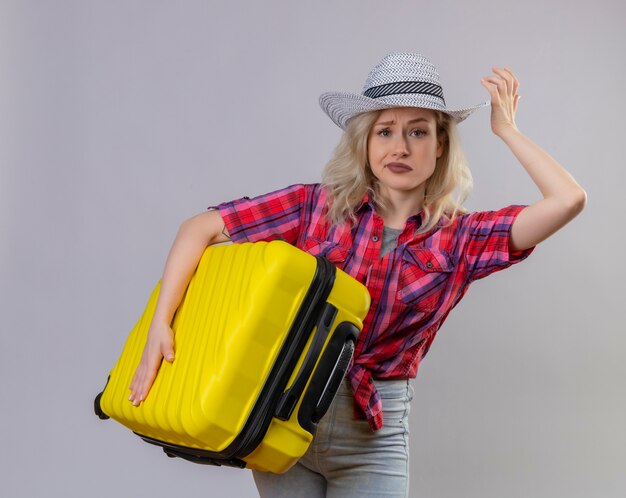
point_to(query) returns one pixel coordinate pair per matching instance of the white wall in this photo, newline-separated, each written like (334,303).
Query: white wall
(118,119)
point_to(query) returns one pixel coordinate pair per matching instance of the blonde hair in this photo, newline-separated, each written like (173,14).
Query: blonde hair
(348,176)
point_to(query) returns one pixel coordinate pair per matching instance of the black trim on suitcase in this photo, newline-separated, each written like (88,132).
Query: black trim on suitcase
(306,319)
(290,397)
(328,376)
(193,455)
(96,403)
(311,313)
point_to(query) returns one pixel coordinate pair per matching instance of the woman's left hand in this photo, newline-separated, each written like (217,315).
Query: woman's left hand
(504,98)
(562,199)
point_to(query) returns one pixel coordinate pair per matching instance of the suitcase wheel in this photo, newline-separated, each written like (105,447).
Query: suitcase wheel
(97,408)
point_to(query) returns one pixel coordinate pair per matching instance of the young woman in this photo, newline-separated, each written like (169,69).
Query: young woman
(389,213)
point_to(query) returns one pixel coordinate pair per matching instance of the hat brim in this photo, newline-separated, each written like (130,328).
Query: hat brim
(341,106)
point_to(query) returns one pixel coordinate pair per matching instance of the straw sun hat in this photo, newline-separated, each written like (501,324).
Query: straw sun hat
(399,80)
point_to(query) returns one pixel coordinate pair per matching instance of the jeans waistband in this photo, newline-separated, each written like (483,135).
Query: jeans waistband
(395,388)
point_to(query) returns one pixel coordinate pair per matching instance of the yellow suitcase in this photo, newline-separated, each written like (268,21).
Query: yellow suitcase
(264,335)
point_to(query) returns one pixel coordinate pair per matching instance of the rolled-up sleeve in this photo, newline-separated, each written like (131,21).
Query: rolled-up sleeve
(276,215)
(485,239)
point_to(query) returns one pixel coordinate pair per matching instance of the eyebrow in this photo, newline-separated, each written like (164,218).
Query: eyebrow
(387,123)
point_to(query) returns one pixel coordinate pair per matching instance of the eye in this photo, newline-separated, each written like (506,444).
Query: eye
(384,132)
(417,133)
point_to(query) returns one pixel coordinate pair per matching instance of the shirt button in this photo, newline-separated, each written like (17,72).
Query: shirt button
(375,238)
(429,265)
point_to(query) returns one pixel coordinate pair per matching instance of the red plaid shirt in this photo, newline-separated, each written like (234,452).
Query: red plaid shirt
(413,288)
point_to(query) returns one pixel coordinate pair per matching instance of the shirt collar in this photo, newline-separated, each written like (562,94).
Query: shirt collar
(367,201)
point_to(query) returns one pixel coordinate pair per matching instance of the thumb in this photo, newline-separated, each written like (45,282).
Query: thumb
(167,350)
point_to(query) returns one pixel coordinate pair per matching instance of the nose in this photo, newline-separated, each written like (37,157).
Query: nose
(400,146)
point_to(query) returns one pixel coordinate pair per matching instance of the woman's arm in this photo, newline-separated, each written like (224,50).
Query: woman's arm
(194,235)
(562,199)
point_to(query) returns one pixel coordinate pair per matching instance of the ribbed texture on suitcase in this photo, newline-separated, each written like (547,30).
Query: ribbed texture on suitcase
(233,317)
(232,322)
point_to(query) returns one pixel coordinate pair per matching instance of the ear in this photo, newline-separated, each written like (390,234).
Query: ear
(442,138)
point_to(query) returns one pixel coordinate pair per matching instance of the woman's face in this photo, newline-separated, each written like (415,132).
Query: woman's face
(403,148)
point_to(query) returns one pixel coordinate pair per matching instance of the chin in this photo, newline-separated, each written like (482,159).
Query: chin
(403,185)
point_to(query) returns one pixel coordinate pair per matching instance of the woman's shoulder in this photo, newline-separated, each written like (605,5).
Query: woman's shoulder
(503,215)
(311,197)
(315,192)
(313,188)
(301,190)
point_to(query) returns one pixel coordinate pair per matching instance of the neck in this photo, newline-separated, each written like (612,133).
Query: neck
(399,206)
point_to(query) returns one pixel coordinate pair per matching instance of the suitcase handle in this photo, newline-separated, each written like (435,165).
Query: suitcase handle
(328,376)
(290,397)
(334,381)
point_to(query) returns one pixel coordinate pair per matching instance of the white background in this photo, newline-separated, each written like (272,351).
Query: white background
(119,119)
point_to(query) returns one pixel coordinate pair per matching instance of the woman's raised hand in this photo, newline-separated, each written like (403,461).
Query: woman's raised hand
(562,198)
(160,345)
(502,88)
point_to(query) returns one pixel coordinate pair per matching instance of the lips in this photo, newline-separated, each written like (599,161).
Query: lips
(398,167)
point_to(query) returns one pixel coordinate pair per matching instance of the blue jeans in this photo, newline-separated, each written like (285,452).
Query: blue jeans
(347,459)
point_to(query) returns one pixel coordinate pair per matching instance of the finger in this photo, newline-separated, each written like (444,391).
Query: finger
(495,87)
(499,83)
(141,388)
(167,350)
(148,380)
(149,374)
(514,88)
(500,73)
(133,385)
(508,90)
(144,377)
(504,72)
(495,81)
(491,88)
(504,76)
(510,71)
(136,385)
(514,79)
